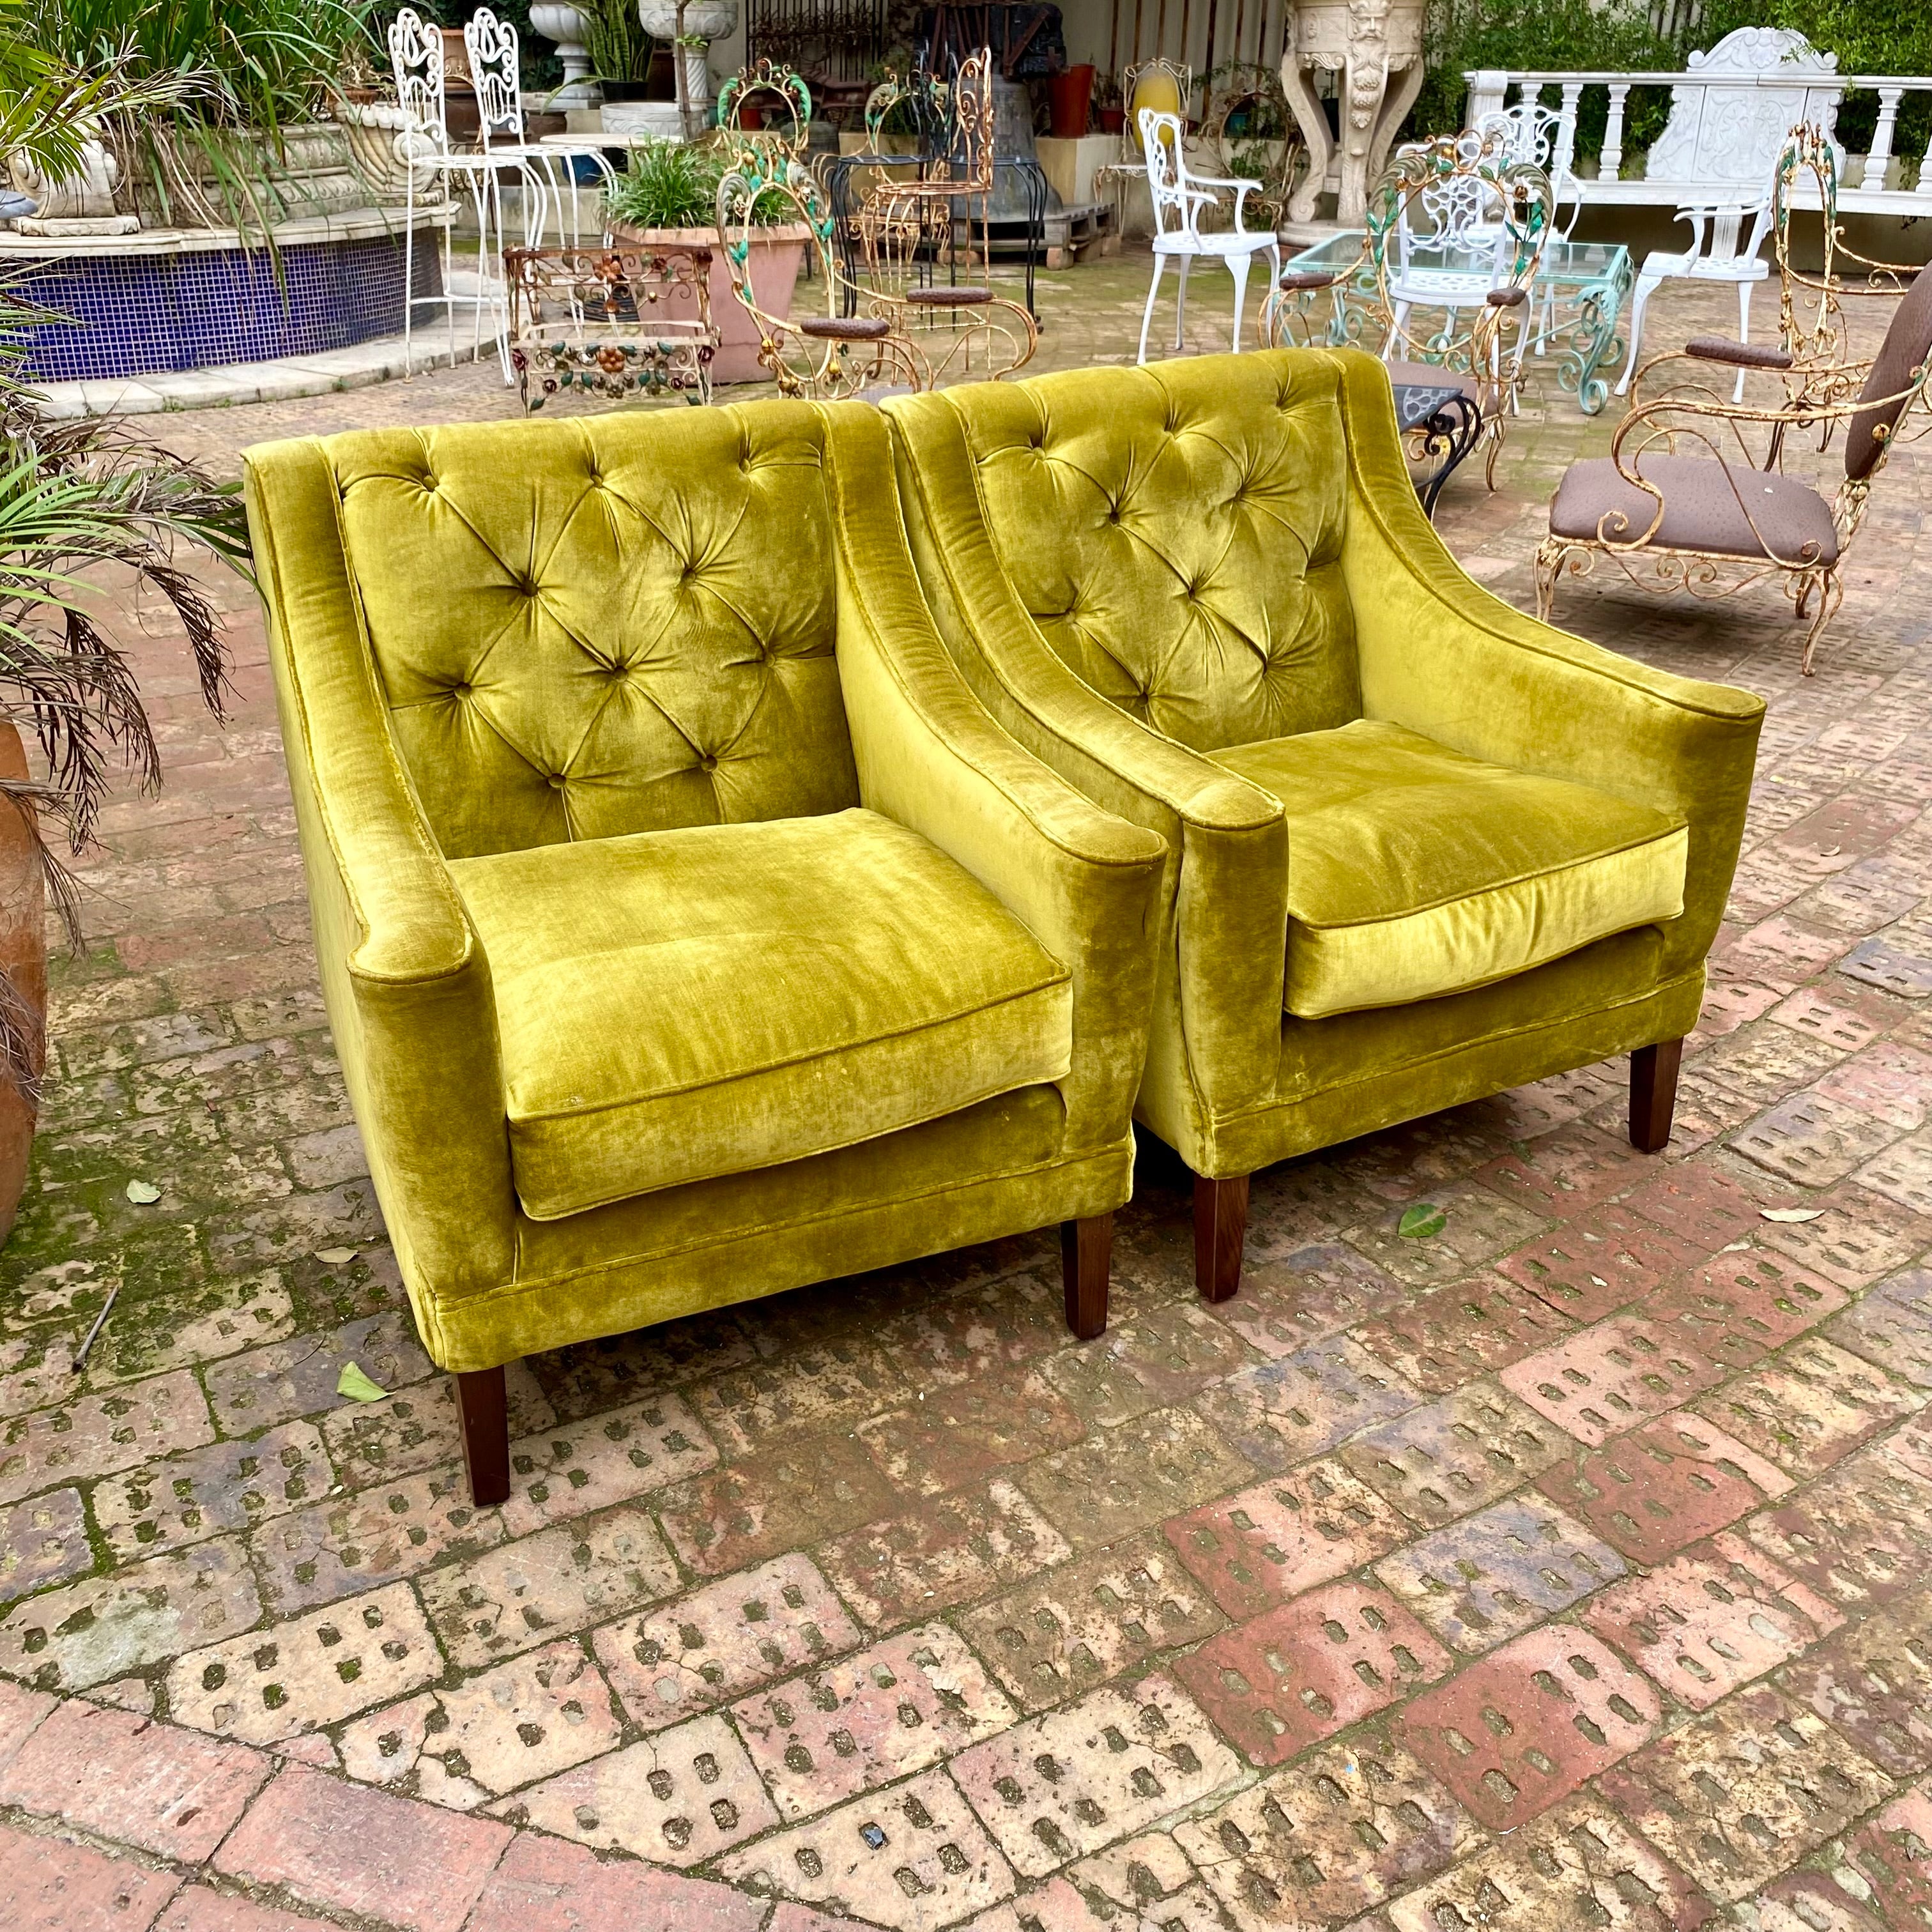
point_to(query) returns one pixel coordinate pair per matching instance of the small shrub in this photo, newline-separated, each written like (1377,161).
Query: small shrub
(668,184)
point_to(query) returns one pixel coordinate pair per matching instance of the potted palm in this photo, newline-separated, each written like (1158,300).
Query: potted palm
(668,198)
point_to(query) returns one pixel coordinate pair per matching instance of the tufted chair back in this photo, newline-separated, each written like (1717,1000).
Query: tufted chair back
(610,624)
(1175,532)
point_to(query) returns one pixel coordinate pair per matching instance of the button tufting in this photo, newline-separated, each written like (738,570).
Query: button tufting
(707,763)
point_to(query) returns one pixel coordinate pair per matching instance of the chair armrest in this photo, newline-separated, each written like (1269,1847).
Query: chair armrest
(1444,657)
(1224,906)
(1081,880)
(1739,354)
(407,984)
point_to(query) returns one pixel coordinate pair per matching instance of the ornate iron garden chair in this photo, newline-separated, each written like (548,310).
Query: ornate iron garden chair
(1811,312)
(820,357)
(1680,503)
(614,321)
(1165,87)
(432,167)
(1181,200)
(756,89)
(496,76)
(1456,229)
(906,226)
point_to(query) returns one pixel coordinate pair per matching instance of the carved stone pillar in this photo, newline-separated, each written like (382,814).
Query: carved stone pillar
(1375,46)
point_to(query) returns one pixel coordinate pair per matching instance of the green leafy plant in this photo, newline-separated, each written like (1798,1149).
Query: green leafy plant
(1866,36)
(1578,35)
(668,184)
(195,96)
(674,184)
(618,48)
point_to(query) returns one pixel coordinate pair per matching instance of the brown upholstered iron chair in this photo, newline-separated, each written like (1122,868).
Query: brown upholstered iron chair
(1681,503)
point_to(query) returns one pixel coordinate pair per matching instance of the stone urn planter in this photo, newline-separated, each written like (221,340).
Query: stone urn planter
(777,253)
(23,959)
(568,29)
(704,21)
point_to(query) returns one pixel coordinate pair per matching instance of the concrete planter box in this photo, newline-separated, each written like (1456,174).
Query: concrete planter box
(777,254)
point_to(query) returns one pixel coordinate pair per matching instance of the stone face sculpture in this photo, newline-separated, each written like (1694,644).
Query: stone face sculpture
(1375,46)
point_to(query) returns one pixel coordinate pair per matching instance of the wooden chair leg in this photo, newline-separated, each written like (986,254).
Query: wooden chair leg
(1653,1095)
(1220,1231)
(482,1409)
(1086,1255)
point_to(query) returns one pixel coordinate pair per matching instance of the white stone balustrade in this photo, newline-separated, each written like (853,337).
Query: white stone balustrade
(1730,111)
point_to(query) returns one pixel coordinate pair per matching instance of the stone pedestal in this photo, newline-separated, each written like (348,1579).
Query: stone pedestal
(1068,166)
(1375,46)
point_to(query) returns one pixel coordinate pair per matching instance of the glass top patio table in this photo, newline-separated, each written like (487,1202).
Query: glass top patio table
(1579,292)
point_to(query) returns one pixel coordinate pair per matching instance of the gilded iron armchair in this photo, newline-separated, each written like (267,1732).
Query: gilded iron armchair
(751,92)
(1812,316)
(1248,129)
(820,357)
(1681,504)
(906,226)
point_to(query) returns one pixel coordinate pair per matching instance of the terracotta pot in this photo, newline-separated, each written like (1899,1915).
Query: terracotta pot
(1111,119)
(23,958)
(777,253)
(1070,96)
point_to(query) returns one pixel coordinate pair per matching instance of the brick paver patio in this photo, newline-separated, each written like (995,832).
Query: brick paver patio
(1571,1568)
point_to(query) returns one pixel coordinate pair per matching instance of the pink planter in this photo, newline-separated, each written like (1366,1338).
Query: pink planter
(777,253)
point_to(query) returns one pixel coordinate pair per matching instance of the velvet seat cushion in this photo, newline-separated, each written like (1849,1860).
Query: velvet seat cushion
(1705,502)
(1413,871)
(674,1005)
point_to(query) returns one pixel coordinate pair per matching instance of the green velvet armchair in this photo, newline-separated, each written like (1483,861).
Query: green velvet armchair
(1421,846)
(688,931)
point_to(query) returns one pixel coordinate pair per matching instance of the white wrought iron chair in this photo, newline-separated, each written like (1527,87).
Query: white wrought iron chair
(1531,132)
(1454,244)
(423,148)
(1181,199)
(496,76)
(1722,249)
